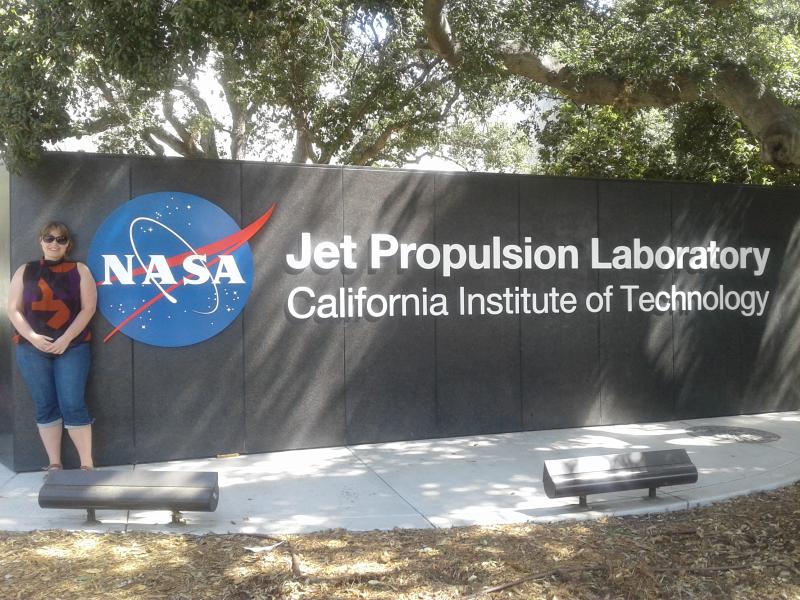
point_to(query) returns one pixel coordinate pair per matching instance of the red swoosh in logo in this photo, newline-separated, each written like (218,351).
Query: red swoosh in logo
(223,246)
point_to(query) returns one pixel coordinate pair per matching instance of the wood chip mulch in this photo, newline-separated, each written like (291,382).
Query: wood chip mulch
(744,548)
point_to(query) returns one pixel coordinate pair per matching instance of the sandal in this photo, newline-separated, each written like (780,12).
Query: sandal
(86,468)
(53,467)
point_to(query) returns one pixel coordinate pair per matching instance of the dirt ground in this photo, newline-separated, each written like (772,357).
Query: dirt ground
(744,548)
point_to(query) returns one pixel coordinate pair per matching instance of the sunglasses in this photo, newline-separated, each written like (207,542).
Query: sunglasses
(62,239)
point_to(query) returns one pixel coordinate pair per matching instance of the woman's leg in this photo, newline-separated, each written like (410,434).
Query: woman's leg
(37,370)
(71,371)
(51,438)
(82,438)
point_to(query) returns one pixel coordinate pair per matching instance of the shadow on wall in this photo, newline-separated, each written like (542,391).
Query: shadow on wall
(728,362)
(390,361)
(294,382)
(461,374)
(707,346)
(774,381)
(703,362)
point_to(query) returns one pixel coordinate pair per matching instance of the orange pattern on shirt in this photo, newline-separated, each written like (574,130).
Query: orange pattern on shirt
(49,303)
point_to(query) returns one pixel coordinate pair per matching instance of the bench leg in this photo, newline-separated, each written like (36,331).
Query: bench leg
(90,516)
(652,493)
(582,501)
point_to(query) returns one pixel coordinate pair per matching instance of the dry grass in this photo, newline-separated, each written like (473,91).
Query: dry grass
(745,548)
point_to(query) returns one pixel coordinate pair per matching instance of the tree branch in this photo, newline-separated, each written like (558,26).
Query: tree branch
(166,138)
(148,139)
(356,114)
(114,115)
(773,123)
(430,153)
(600,88)
(105,91)
(185,139)
(770,120)
(304,146)
(106,121)
(299,153)
(97,77)
(438,31)
(208,140)
(241,112)
(368,154)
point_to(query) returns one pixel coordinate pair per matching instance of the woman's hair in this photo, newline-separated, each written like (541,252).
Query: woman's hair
(60,230)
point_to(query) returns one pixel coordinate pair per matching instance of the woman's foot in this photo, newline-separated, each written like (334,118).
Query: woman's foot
(52,467)
(86,468)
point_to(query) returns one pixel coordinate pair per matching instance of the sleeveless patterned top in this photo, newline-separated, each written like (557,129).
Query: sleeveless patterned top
(51,298)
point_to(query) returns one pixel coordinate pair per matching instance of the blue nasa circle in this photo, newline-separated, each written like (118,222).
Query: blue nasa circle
(145,233)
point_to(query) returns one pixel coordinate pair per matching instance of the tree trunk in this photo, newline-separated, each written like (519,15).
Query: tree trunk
(299,154)
(774,124)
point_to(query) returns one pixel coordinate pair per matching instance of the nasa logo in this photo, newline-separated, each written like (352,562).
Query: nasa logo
(172,269)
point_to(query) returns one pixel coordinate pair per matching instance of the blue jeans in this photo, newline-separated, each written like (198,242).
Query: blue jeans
(57,384)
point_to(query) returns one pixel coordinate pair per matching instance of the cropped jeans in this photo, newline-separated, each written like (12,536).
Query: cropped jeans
(57,384)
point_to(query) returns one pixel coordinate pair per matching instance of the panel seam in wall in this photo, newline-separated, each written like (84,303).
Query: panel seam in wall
(343,320)
(243,317)
(519,314)
(600,357)
(131,343)
(673,378)
(437,410)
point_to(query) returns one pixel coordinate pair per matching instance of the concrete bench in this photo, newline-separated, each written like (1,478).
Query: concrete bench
(131,490)
(616,472)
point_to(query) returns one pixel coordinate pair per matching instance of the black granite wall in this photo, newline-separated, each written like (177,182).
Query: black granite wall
(273,382)
(293,370)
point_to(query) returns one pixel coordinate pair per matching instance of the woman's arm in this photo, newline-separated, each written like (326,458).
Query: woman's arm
(88,307)
(17,316)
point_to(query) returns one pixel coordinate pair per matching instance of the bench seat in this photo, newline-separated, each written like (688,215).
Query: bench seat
(617,472)
(131,490)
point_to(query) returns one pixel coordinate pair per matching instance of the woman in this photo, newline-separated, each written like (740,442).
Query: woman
(50,304)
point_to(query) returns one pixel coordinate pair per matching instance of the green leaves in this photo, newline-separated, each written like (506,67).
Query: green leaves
(348,77)
(355,82)
(34,84)
(605,142)
(699,141)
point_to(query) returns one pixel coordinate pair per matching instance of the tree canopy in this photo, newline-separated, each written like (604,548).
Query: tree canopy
(697,89)
(342,80)
(727,60)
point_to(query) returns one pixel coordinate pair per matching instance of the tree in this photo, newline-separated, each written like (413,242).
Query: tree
(714,84)
(338,80)
(699,141)
(632,55)
(483,145)
(599,141)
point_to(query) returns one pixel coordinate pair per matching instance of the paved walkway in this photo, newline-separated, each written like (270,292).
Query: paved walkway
(482,480)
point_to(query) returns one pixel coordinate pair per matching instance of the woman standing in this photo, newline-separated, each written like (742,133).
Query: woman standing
(50,304)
